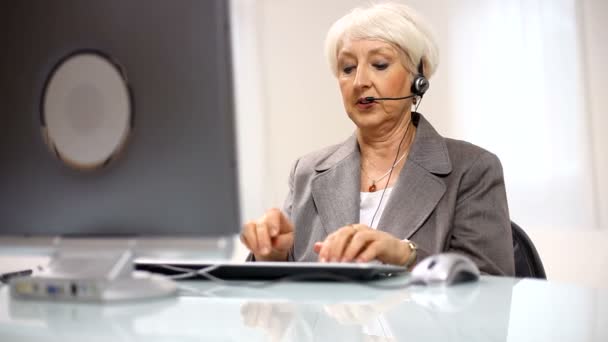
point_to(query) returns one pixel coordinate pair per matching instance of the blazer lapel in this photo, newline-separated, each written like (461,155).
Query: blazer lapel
(411,202)
(335,189)
(419,189)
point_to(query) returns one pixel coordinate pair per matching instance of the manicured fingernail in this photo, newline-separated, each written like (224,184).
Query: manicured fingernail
(265,250)
(323,259)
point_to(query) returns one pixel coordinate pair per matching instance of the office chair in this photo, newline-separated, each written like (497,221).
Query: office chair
(527,260)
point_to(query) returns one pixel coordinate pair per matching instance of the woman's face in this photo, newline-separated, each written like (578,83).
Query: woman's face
(373,68)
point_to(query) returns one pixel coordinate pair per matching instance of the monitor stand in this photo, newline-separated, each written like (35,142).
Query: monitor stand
(89,275)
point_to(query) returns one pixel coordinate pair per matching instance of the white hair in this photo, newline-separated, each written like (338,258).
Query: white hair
(394,23)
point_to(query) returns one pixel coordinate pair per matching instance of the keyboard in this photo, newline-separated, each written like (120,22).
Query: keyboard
(260,270)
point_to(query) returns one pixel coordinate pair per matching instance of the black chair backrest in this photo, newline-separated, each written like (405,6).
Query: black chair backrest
(527,260)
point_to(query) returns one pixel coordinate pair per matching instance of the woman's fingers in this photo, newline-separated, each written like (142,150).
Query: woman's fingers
(358,242)
(370,252)
(340,241)
(270,237)
(263,238)
(325,248)
(317,247)
(256,238)
(272,220)
(335,245)
(283,242)
(280,230)
(248,236)
(277,222)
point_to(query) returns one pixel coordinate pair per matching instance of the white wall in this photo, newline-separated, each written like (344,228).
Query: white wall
(302,111)
(595,44)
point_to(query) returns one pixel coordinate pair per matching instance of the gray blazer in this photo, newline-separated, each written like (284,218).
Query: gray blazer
(450,196)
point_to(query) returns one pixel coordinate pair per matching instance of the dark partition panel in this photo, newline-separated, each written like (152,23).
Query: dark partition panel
(177,172)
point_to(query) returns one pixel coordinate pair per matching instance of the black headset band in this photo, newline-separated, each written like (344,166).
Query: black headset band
(420,68)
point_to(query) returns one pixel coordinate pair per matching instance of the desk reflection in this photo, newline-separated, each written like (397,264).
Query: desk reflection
(437,313)
(70,321)
(279,321)
(491,310)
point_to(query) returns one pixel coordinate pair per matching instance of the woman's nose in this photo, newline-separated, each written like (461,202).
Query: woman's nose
(362,79)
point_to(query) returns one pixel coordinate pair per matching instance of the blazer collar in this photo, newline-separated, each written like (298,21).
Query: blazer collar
(336,187)
(429,150)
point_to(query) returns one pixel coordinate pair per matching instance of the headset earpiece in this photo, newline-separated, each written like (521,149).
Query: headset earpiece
(420,84)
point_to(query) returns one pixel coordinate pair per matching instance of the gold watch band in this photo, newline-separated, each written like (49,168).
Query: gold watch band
(413,253)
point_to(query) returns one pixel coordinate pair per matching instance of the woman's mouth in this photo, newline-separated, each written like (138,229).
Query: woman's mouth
(364,103)
(365,100)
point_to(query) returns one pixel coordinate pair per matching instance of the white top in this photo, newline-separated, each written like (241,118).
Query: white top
(369,204)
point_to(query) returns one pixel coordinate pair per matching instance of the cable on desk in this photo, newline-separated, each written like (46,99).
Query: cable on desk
(5,277)
(188,273)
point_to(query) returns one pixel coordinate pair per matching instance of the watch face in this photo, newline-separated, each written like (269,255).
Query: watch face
(413,253)
(86,111)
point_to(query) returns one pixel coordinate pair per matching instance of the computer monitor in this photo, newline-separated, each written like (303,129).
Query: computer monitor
(117,125)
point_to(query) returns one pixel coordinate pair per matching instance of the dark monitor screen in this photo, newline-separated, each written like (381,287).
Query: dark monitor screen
(175,173)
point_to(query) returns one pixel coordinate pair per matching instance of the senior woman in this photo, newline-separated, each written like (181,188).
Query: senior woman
(395,191)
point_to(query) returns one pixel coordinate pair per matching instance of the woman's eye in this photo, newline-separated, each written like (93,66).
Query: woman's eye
(348,69)
(380,66)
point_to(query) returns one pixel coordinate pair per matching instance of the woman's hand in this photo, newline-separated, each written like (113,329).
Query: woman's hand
(270,237)
(360,243)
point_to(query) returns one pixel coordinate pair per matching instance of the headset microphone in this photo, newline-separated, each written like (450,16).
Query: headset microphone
(372,99)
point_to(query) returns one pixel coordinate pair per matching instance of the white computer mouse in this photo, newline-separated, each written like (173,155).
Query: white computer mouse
(445,268)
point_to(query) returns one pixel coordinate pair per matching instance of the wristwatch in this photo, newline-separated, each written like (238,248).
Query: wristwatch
(412,258)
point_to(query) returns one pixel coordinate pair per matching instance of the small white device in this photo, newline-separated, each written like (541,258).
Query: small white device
(74,275)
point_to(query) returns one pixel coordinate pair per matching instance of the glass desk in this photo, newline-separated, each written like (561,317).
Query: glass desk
(493,309)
